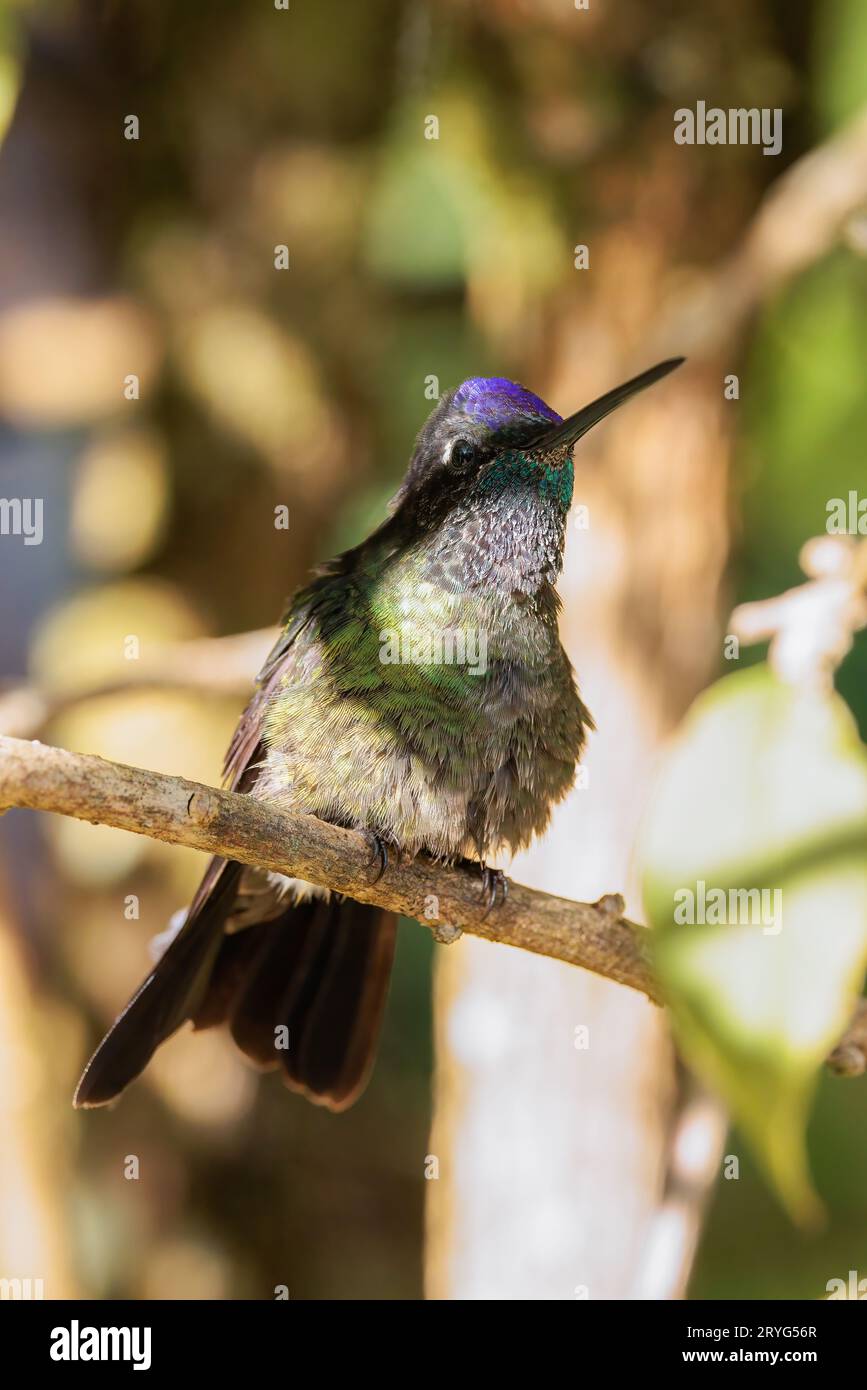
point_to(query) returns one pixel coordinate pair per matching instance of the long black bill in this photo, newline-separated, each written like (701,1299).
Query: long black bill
(564,435)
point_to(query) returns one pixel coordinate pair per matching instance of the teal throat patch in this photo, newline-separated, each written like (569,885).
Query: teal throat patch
(553,478)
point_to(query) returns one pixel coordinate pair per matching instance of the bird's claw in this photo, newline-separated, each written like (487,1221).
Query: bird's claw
(378,853)
(494,881)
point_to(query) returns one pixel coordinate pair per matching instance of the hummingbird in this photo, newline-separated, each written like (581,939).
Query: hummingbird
(419,692)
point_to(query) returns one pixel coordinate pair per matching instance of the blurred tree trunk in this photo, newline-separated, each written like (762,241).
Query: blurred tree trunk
(34,1155)
(48,252)
(552,1149)
(552,1159)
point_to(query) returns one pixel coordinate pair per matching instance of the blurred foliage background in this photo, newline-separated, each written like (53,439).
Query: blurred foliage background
(261,388)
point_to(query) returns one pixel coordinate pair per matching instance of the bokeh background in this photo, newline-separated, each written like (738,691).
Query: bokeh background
(409,259)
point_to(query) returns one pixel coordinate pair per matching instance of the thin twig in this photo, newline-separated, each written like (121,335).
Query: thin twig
(696,1145)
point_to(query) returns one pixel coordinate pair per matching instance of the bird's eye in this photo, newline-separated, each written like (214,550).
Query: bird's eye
(461,452)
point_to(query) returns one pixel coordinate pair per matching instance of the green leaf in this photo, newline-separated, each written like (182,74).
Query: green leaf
(840,61)
(754,869)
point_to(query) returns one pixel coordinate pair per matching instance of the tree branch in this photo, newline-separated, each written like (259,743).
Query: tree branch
(210,665)
(804,214)
(594,936)
(447,899)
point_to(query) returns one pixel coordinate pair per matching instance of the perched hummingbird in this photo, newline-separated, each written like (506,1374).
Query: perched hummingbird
(426,753)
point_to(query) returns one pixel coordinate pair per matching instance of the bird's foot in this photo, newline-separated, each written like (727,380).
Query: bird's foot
(378,853)
(494,882)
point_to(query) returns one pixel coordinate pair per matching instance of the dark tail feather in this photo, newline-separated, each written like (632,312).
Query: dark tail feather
(321,971)
(336,1021)
(169,995)
(257,1010)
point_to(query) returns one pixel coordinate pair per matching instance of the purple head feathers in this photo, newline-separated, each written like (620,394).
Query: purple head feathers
(495,402)
(491,416)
